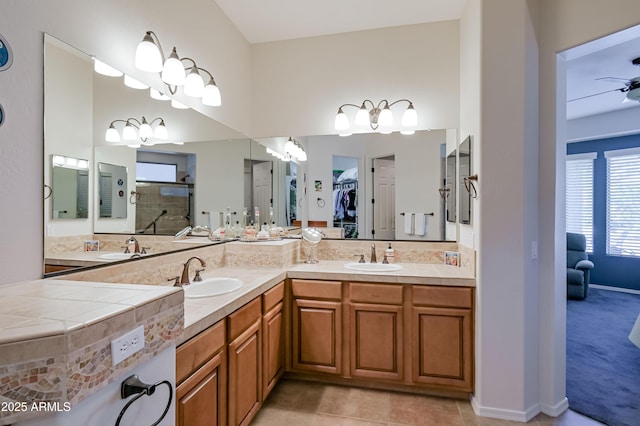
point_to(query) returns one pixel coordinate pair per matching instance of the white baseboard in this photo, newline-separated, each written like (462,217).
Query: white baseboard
(618,289)
(555,410)
(500,413)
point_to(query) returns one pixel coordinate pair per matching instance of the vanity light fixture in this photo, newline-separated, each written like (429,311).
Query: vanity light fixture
(104,69)
(133,83)
(134,129)
(150,57)
(294,149)
(377,117)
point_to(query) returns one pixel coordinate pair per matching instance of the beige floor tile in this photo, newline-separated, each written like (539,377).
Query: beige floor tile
(410,409)
(363,404)
(296,395)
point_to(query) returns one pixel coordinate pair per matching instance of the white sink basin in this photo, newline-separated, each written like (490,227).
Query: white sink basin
(373,267)
(115,256)
(211,287)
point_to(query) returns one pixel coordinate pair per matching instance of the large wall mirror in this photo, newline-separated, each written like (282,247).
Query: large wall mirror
(466,190)
(223,168)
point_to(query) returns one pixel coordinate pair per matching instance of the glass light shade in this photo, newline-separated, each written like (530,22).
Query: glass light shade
(289,147)
(173,71)
(58,160)
(193,84)
(161,132)
(129,133)
(410,117)
(211,94)
(344,135)
(112,134)
(71,162)
(342,121)
(178,105)
(178,143)
(145,129)
(83,164)
(157,95)
(135,145)
(133,83)
(407,132)
(104,69)
(362,117)
(148,57)
(302,156)
(386,118)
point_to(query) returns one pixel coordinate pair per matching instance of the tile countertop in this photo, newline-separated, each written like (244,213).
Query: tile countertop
(201,313)
(46,308)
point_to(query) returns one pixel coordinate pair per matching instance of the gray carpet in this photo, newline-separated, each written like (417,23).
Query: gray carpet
(603,366)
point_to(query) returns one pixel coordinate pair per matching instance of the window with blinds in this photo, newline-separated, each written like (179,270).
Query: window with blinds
(579,195)
(623,202)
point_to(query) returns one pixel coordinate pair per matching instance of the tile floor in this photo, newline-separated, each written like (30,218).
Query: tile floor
(298,403)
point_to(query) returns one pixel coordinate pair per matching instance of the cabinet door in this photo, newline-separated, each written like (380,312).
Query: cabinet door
(200,399)
(376,341)
(245,375)
(317,336)
(442,347)
(273,350)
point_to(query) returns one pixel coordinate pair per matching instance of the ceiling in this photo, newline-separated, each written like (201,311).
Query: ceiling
(263,21)
(609,56)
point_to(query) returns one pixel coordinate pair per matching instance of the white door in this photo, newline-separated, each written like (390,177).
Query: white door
(384,198)
(262,183)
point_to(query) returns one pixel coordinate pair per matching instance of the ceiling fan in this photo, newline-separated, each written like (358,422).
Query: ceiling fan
(631,87)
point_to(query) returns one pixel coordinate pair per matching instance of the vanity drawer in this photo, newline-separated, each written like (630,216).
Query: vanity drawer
(376,293)
(194,353)
(458,297)
(244,317)
(272,297)
(317,289)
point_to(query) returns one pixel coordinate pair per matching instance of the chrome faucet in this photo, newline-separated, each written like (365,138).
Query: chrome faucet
(184,279)
(373,254)
(136,245)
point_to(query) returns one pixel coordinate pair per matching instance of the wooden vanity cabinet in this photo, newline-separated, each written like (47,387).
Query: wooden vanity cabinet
(244,327)
(273,334)
(201,367)
(316,324)
(376,331)
(442,352)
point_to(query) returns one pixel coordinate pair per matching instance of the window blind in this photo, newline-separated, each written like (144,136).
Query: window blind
(623,202)
(579,195)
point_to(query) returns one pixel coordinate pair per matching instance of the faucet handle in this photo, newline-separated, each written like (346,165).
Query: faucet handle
(126,249)
(361,260)
(197,277)
(176,281)
(144,250)
(385,261)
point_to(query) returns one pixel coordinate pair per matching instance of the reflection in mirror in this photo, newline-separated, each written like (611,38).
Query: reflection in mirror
(112,184)
(450,186)
(344,199)
(70,188)
(418,170)
(465,172)
(76,97)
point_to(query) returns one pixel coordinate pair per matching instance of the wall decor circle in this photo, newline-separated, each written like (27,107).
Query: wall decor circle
(6,55)
(1,115)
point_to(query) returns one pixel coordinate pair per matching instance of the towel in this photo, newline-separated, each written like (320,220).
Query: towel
(421,224)
(408,223)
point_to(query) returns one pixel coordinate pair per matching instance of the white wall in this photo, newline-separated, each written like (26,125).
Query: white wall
(308,79)
(110,30)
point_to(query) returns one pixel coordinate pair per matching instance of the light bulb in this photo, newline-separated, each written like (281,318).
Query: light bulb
(193,84)
(211,94)
(129,132)
(173,71)
(342,121)
(133,83)
(112,134)
(145,129)
(410,117)
(104,69)
(157,95)
(161,132)
(148,57)
(362,116)
(386,117)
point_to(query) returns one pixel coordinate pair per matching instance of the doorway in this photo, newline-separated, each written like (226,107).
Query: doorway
(345,195)
(384,198)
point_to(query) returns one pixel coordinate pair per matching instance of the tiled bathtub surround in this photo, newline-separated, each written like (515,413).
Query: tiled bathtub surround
(55,336)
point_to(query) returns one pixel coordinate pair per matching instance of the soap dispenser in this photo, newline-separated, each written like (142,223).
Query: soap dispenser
(390,254)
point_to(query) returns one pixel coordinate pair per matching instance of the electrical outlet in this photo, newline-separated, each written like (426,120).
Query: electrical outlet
(125,346)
